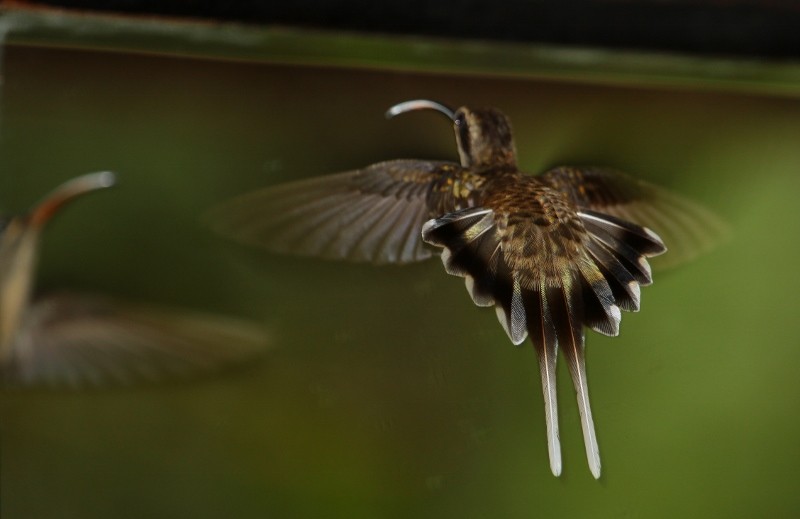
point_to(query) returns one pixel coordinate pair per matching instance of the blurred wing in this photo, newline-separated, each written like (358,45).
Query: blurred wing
(70,340)
(372,215)
(686,228)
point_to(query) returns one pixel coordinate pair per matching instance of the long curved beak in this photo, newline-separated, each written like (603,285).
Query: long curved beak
(67,192)
(420,104)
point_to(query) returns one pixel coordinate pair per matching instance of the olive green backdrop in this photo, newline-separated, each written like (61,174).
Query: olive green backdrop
(387,393)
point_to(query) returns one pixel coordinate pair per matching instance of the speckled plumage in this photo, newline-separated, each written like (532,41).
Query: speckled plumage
(553,253)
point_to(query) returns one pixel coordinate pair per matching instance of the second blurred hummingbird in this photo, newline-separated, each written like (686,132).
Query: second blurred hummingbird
(553,253)
(77,340)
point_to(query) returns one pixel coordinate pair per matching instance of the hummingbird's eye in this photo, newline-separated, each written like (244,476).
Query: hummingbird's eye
(463,131)
(461,121)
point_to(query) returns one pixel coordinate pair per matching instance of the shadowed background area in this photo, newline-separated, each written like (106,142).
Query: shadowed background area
(735,27)
(388,394)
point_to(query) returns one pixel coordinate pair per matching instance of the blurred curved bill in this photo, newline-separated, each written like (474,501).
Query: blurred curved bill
(419,104)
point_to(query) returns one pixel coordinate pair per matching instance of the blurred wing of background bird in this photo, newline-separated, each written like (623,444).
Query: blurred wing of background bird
(371,215)
(686,228)
(77,340)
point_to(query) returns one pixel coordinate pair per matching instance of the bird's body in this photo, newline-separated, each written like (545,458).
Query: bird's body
(553,253)
(522,245)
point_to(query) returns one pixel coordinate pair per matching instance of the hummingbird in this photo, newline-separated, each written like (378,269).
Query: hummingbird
(76,340)
(553,253)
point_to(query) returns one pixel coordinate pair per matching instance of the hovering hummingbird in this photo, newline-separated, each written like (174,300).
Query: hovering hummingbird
(69,339)
(553,253)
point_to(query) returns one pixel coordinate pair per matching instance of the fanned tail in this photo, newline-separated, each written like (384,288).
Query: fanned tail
(578,272)
(620,250)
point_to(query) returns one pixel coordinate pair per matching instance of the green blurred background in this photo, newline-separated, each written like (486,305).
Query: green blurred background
(387,393)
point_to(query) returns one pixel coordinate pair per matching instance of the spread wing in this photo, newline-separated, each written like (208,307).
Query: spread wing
(71,340)
(686,228)
(372,215)
(547,281)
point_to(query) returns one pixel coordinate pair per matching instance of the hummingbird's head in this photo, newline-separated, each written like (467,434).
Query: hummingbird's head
(19,239)
(483,135)
(19,235)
